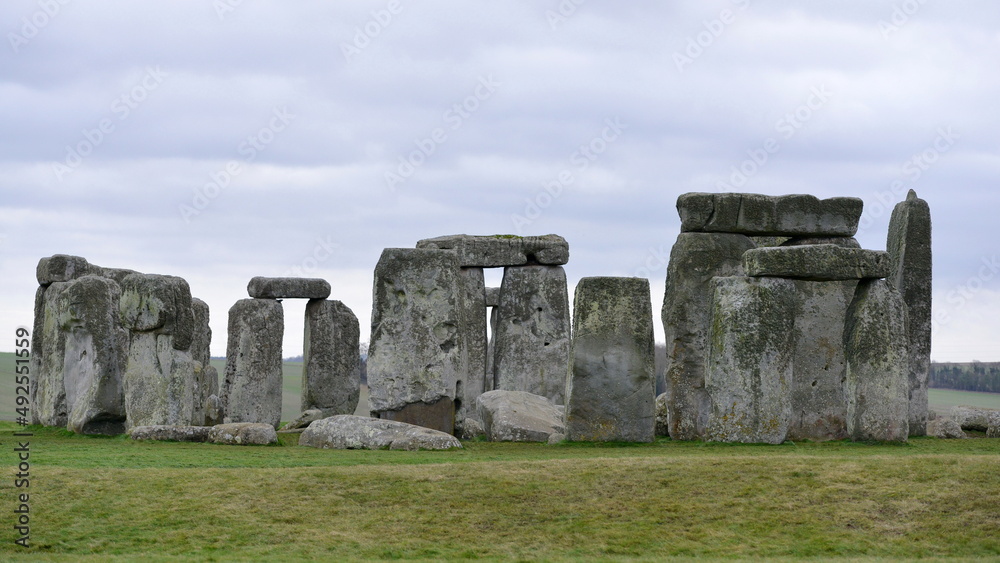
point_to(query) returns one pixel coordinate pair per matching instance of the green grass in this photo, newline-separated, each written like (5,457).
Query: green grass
(98,499)
(941,400)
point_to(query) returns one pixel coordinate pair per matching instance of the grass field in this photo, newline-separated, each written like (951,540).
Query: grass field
(106,499)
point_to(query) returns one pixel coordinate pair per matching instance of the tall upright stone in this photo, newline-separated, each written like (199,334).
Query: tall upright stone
(750,364)
(532,340)
(493,305)
(252,385)
(472,381)
(610,393)
(878,364)
(159,374)
(687,308)
(331,363)
(416,356)
(819,406)
(48,357)
(96,353)
(206,376)
(909,247)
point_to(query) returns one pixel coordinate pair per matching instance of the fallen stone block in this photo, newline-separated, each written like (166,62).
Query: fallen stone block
(695,259)
(610,392)
(518,416)
(307,418)
(910,272)
(749,374)
(761,215)
(875,345)
(288,288)
(348,432)
(946,429)
(243,434)
(821,262)
(502,250)
(972,418)
(993,428)
(171,433)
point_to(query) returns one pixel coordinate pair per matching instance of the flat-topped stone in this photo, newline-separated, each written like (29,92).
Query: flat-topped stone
(171,433)
(762,215)
(288,288)
(502,250)
(819,262)
(347,432)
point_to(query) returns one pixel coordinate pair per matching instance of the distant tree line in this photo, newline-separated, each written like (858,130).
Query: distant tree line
(975,376)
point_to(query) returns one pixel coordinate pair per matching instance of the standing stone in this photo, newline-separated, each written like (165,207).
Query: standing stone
(909,248)
(95,359)
(159,374)
(750,363)
(416,357)
(493,303)
(687,316)
(472,381)
(48,357)
(532,340)
(205,375)
(252,387)
(819,406)
(876,346)
(331,363)
(610,393)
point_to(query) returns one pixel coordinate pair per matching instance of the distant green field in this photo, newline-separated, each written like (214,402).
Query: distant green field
(290,398)
(941,400)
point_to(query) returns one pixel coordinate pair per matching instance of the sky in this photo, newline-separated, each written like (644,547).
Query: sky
(218,140)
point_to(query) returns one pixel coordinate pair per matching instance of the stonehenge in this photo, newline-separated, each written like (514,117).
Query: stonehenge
(778,326)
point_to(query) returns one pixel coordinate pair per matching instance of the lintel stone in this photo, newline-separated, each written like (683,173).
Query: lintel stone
(762,215)
(502,250)
(288,288)
(819,262)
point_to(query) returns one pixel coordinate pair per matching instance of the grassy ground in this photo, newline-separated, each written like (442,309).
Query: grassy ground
(99,499)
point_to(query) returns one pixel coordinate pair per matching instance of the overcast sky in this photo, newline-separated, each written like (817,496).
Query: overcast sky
(225,139)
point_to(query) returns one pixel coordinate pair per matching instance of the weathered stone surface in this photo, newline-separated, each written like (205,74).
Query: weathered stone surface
(818,262)
(417,350)
(819,406)
(910,272)
(876,342)
(749,374)
(763,242)
(532,339)
(206,377)
(48,357)
(243,434)
(556,439)
(945,428)
(993,428)
(761,215)
(687,319)
(305,419)
(159,382)
(845,242)
(492,296)
(610,393)
(261,287)
(517,416)
(160,305)
(972,418)
(347,432)
(472,380)
(252,387)
(439,414)
(63,268)
(214,410)
(171,433)
(490,384)
(472,429)
(662,415)
(331,361)
(96,354)
(502,250)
